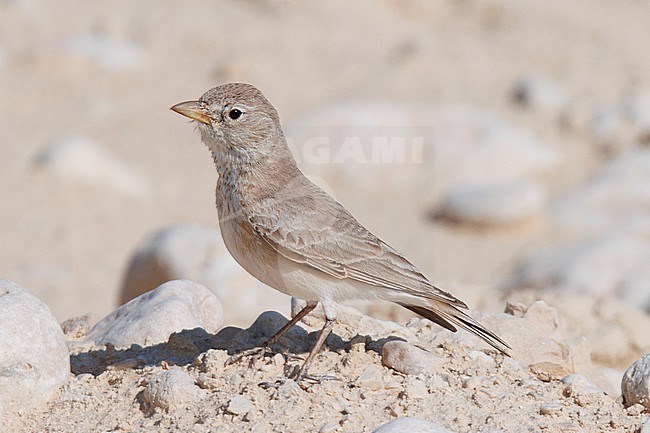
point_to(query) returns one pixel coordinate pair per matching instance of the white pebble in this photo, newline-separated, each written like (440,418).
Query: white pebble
(171,389)
(239,405)
(408,359)
(370,378)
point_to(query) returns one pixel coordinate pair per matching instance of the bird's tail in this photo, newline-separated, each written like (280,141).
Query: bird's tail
(450,317)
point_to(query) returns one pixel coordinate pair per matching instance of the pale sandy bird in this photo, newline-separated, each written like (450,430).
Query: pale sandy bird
(291,235)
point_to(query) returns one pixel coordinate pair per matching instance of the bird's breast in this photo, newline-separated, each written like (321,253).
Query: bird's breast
(248,248)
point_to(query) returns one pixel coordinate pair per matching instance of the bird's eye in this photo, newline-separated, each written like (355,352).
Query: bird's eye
(234,114)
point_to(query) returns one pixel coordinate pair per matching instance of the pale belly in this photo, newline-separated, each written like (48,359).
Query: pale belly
(294,279)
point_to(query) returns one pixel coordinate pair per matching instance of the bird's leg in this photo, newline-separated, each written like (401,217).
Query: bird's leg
(273,339)
(302,373)
(302,313)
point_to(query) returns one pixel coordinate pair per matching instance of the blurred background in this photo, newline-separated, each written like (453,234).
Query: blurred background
(502,146)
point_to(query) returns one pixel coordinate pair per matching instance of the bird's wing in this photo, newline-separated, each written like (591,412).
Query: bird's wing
(307,226)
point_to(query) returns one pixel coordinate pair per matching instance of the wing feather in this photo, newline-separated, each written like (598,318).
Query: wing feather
(314,229)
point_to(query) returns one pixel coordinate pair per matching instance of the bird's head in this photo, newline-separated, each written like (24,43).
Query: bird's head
(236,122)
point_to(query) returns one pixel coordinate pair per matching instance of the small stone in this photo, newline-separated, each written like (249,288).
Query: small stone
(416,389)
(278,360)
(516,309)
(77,327)
(481,360)
(411,425)
(125,364)
(473,382)
(329,427)
(239,405)
(491,205)
(207,382)
(437,382)
(213,361)
(408,359)
(371,378)
(577,385)
(171,389)
(270,322)
(635,409)
(151,318)
(182,342)
(84,377)
(636,382)
(548,371)
(393,385)
(550,409)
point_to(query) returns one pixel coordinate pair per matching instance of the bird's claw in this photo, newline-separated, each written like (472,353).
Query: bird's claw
(298,374)
(256,353)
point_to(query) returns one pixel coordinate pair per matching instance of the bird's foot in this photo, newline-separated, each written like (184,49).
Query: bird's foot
(259,352)
(255,353)
(298,374)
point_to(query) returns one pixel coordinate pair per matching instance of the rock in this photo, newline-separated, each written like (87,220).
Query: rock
(198,254)
(538,93)
(614,200)
(487,205)
(76,327)
(270,322)
(615,332)
(636,382)
(582,390)
(577,384)
(370,378)
(550,409)
(389,148)
(80,160)
(539,343)
(548,371)
(151,318)
(239,405)
(171,389)
(34,359)
(480,360)
(107,51)
(408,359)
(615,266)
(534,337)
(411,425)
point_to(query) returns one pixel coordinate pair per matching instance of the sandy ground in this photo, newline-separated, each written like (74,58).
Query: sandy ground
(108,72)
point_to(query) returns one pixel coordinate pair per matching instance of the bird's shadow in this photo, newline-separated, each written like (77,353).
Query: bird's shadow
(185,347)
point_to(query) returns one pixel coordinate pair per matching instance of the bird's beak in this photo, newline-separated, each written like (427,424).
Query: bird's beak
(195,110)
